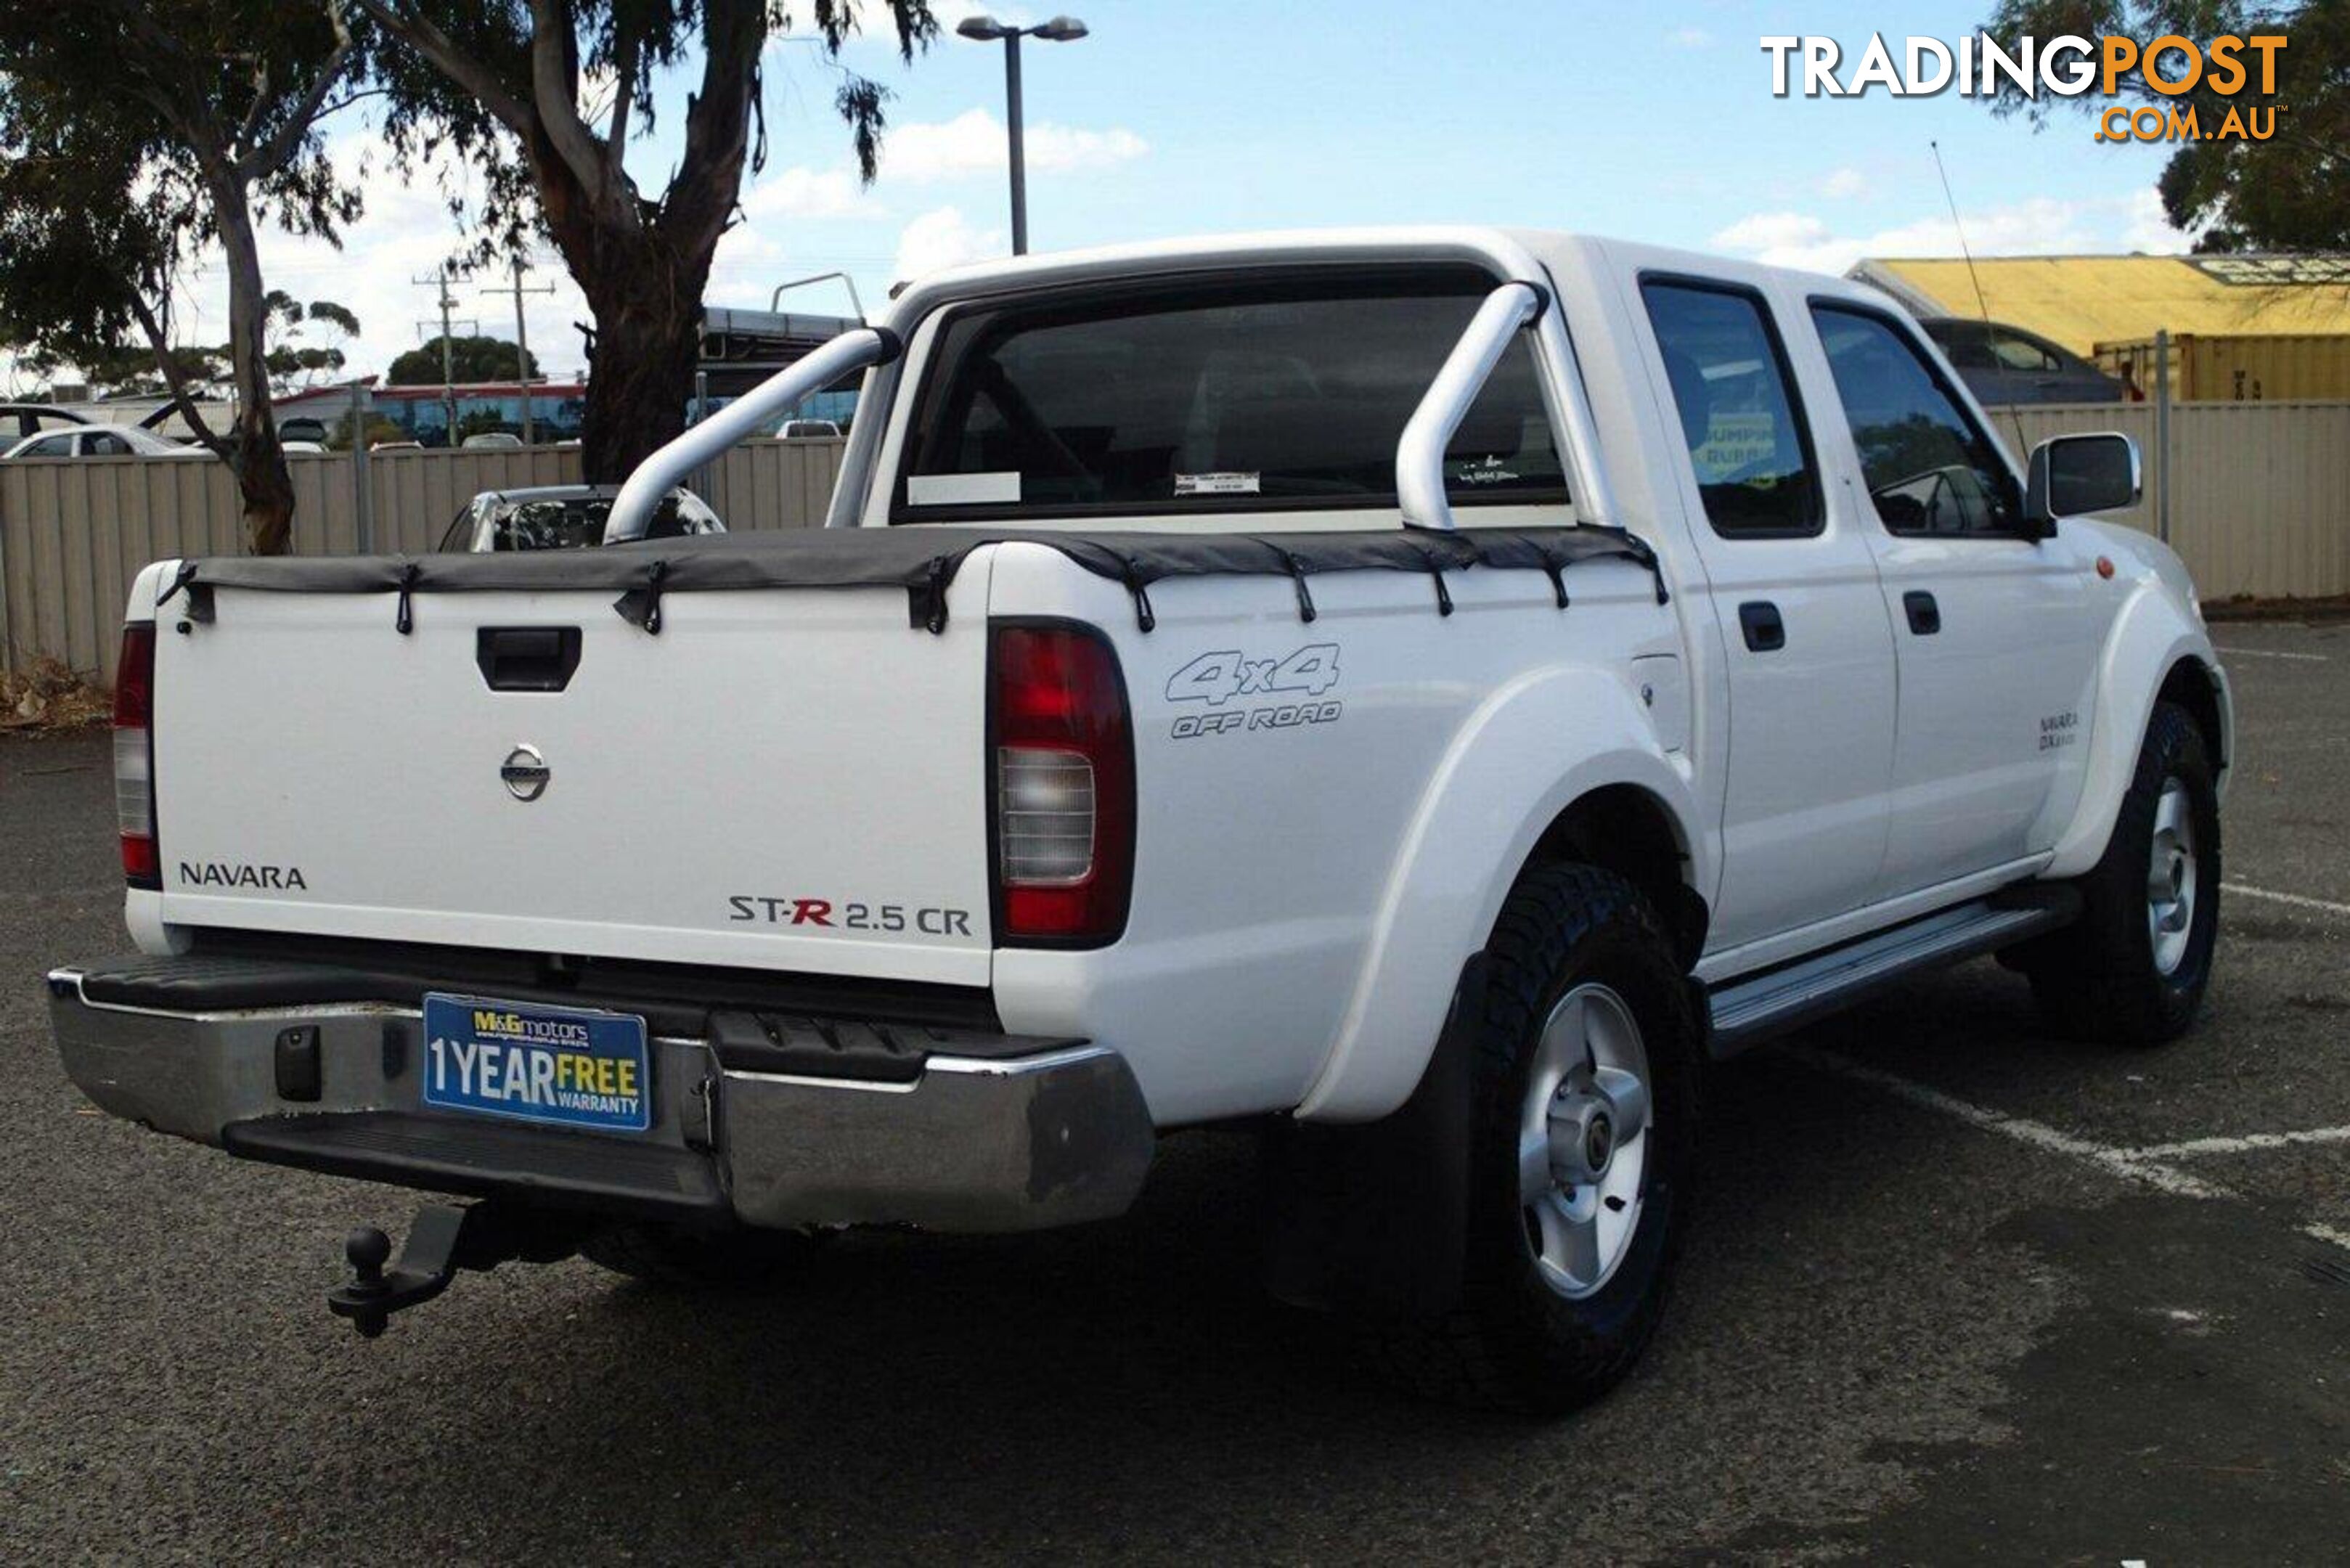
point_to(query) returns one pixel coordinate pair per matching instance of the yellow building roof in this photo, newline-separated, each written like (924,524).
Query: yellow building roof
(2083,301)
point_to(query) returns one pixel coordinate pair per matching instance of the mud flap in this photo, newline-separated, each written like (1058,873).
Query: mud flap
(1373,1218)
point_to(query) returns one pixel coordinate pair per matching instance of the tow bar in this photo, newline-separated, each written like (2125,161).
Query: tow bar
(442,1239)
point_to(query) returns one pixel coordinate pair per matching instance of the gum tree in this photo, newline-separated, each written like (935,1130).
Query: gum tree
(136,136)
(544,97)
(2289,192)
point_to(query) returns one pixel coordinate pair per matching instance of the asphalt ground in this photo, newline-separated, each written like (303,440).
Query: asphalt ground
(1950,1295)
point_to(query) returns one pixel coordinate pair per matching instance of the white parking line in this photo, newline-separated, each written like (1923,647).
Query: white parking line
(2138,1165)
(2246,890)
(2273,654)
(2249,1142)
(2022,1129)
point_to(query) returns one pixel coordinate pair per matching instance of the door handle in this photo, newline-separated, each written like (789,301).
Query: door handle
(1925,615)
(1765,631)
(526,658)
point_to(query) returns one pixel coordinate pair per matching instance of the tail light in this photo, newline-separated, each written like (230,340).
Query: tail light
(1062,751)
(134,755)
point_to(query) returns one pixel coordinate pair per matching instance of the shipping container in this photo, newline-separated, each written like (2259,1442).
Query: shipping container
(2237,367)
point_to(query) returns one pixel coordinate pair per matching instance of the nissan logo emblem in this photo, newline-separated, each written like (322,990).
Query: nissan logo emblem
(526,773)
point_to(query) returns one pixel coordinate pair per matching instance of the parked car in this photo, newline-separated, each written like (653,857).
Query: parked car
(809,429)
(101,441)
(2003,364)
(1475,679)
(18,421)
(483,440)
(564,517)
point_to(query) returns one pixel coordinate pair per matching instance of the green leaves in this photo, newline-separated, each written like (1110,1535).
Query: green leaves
(2289,192)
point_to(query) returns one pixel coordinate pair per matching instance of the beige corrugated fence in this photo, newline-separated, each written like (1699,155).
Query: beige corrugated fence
(2260,505)
(74,531)
(2259,492)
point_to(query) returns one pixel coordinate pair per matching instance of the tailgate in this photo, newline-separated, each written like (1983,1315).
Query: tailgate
(782,778)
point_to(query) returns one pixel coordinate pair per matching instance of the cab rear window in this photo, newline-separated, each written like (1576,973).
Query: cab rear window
(1258,395)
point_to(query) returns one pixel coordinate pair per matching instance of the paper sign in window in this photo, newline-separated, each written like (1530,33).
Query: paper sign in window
(963,489)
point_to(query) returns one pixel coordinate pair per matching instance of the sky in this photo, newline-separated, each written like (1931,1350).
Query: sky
(1649,123)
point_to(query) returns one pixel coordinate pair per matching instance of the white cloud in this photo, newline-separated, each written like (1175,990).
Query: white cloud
(942,238)
(804,192)
(974,143)
(1767,234)
(1690,38)
(2041,226)
(1843,184)
(2149,227)
(404,235)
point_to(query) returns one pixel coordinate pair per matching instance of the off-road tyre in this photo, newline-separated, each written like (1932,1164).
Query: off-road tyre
(2098,980)
(1514,1343)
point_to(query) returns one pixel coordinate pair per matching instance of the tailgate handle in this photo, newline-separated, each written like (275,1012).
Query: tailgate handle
(526,658)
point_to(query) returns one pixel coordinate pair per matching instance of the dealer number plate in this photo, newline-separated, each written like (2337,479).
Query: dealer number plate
(564,1065)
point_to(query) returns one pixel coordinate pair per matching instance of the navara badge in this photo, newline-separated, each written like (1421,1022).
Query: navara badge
(526,774)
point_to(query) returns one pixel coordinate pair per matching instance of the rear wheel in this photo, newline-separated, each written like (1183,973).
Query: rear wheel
(2134,970)
(701,1260)
(1582,1141)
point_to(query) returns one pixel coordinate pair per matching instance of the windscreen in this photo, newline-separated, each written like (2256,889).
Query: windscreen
(1254,395)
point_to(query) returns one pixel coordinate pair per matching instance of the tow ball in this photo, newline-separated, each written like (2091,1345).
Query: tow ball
(442,1239)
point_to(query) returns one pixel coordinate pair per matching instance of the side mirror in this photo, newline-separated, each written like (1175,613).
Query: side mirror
(2080,476)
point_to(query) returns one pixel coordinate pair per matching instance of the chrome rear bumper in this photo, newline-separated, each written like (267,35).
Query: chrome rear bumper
(969,1143)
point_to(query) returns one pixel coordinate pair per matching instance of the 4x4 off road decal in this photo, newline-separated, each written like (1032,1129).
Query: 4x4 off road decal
(1228,675)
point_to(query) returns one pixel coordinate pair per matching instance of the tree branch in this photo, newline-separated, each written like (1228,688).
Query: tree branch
(452,62)
(625,68)
(253,112)
(278,150)
(701,196)
(555,87)
(173,379)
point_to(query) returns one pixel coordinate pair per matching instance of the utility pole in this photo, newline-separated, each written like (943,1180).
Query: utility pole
(522,345)
(440,279)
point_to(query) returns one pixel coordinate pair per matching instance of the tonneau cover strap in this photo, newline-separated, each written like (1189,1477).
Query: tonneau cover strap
(405,620)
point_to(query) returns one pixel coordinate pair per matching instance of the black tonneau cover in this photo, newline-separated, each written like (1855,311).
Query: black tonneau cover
(921,560)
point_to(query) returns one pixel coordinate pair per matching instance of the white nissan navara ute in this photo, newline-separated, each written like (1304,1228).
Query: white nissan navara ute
(1424,692)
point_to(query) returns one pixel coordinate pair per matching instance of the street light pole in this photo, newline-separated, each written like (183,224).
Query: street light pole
(987,29)
(1019,144)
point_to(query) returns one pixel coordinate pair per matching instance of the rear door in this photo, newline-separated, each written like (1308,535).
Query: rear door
(1997,643)
(1795,596)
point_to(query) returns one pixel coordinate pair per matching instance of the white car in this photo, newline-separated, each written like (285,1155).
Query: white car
(1470,680)
(18,421)
(100,440)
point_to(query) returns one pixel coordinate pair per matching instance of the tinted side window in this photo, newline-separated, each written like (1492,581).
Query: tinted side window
(1928,468)
(1738,409)
(51,446)
(2019,353)
(105,443)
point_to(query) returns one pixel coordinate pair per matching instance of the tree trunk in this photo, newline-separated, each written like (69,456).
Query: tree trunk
(255,452)
(267,485)
(648,339)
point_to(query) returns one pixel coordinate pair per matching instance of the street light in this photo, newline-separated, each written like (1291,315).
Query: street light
(987,29)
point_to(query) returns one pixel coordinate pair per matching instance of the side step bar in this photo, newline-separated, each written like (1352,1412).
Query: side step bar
(1748,1011)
